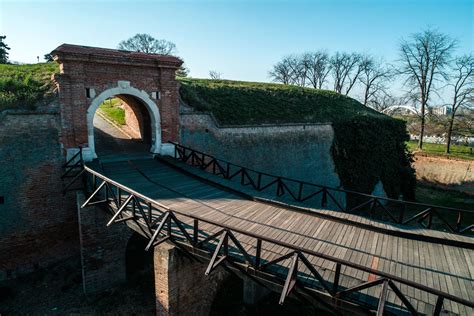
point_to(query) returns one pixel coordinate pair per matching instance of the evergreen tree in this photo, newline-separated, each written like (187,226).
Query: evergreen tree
(3,50)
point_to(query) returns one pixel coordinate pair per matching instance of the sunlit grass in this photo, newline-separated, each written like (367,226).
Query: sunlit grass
(112,110)
(24,86)
(457,151)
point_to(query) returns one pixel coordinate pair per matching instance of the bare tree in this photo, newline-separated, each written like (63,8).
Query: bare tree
(282,71)
(215,75)
(423,61)
(317,68)
(384,99)
(463,89)
(148,44)
(374,78)
(346,68)
(298,68)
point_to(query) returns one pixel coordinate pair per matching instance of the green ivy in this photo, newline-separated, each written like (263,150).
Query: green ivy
(366,151)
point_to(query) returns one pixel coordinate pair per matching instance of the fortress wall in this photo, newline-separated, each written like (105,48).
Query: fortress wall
(39,224)
(297,151)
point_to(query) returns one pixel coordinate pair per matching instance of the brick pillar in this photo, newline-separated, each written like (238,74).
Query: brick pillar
(180,284)
(102,248)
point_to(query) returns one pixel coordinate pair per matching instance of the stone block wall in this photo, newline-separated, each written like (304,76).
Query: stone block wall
(301,152)
(39,224)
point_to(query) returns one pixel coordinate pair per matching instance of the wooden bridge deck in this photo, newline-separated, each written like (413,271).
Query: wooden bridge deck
(447,268)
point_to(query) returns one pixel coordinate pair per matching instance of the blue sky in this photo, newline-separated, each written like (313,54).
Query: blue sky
(240,39)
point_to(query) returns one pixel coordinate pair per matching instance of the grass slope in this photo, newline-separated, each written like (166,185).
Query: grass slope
(111,108)
(237,102)
(23,86)
(368,146)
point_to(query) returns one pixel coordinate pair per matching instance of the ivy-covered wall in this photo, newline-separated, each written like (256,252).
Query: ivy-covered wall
(368,146)
(366,151)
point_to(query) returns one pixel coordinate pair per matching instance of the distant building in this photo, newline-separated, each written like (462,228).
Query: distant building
(441,110)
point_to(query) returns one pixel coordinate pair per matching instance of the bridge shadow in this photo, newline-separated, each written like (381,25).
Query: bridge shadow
(229,301)
(139,266)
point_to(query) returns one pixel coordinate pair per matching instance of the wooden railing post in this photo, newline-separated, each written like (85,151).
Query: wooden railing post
(196,232)
(258,254)
(335,285)
(439,306)
(300,191)
(459,221)
(402,214)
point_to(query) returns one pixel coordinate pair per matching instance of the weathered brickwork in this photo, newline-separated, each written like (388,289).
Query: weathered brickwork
(133,119)
(181,288)
(98,70)
(102,248)
(38,225)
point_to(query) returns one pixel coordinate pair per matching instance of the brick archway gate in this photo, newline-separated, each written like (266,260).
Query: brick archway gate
(90,75)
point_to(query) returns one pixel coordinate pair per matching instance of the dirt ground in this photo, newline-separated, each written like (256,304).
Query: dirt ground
(58,291)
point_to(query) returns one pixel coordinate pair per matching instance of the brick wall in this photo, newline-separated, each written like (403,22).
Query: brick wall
(132,121)
(102,248)
(81,71)
(39,224)
(181,287)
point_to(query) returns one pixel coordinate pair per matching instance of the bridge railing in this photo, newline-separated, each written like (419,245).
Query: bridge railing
(225,247)
(400,212)
(73,168)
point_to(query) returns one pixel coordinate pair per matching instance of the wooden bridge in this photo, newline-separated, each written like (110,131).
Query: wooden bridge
(326,255)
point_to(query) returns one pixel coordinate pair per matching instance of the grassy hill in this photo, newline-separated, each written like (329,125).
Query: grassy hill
(238,102)
(368,146)
(23,86)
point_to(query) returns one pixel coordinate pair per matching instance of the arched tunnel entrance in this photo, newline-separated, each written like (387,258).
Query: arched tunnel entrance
(123,128)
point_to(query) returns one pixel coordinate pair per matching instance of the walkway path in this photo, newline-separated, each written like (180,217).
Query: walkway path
(111,142)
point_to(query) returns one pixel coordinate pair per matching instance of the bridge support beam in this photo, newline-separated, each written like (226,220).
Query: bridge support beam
(181,287)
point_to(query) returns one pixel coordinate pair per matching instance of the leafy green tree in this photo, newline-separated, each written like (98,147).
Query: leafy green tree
(3,50)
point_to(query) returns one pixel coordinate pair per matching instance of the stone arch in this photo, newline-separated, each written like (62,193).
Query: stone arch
(393,108)
(124,88)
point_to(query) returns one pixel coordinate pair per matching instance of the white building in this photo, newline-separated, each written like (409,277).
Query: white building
(441,110)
